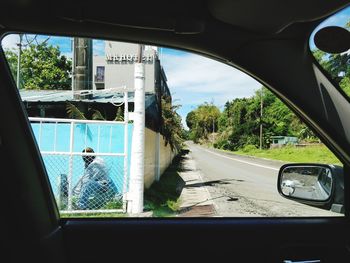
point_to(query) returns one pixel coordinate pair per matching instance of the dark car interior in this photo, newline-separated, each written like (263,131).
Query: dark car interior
(266,39)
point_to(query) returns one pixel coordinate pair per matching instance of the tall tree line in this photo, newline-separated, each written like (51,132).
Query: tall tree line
(238,125)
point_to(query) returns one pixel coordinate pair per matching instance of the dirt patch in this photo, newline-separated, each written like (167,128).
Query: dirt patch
(198,211)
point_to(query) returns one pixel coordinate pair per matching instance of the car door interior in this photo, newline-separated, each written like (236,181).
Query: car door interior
(33,229)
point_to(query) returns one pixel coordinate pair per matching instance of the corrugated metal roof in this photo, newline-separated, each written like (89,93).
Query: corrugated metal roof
(99,96)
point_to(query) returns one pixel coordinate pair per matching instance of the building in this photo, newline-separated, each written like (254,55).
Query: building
(280,141)
(115,70)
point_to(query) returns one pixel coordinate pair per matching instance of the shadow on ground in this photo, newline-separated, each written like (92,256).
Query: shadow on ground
(162,197)
(213,183)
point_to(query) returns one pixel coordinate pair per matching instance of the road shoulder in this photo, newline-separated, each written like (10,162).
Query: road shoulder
(195,199)
(249,158)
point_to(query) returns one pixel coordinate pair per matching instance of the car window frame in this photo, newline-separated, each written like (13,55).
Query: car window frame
(231,65)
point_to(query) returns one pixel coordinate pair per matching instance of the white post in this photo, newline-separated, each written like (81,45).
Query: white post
(135,198)
(261,115)
(70,171)
(73,66)
(126,145)
(157,157)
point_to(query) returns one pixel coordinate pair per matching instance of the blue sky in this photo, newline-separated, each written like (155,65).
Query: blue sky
(192,79)
(64,43)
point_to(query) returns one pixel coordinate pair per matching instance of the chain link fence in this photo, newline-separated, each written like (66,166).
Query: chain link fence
(97,184)
(85,179)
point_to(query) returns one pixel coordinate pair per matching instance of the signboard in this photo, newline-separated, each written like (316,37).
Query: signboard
(128,58)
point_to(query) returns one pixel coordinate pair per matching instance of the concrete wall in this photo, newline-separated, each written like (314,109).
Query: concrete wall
(166,156)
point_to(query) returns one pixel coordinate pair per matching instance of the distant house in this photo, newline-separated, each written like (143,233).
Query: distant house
(280,141)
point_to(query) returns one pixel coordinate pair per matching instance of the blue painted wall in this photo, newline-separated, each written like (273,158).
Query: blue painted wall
(85,135)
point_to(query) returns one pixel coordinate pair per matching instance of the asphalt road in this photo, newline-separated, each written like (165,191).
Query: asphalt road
(245,186)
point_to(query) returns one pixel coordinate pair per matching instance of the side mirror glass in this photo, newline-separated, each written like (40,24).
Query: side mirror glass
(332,39)
(306,182)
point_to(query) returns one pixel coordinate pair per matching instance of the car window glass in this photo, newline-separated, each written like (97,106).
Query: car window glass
(336,64)
(127,129)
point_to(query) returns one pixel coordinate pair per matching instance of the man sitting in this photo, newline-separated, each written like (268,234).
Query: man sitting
(95,188)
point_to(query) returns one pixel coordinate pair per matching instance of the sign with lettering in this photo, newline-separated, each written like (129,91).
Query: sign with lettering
(116,58)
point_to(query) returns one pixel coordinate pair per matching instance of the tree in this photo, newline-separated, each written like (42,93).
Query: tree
(73,112)
(12,58)
(42,67)
(172,128)
(202,121)
(239,123)
(191,119)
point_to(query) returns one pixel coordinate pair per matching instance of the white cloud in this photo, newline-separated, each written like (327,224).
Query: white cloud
(194,79)
(10,41)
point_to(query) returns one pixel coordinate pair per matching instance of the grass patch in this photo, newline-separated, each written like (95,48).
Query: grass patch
(310,154)
(162,198)
(92,215)
(113,204)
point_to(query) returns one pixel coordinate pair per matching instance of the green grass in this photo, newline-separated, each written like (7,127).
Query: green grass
(310,154)
(92,215)
(110,205)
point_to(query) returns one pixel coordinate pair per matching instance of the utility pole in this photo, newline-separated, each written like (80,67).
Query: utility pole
(135,200)
(212,133)
(73,64)
(19,60)
(82,66)
(261,115)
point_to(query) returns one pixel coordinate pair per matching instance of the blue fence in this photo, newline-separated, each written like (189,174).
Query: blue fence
(54,143)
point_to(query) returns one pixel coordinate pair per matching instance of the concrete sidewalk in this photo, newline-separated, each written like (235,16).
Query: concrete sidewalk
(195,200)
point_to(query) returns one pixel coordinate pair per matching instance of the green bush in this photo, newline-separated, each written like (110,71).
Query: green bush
(249,148)
(113,204)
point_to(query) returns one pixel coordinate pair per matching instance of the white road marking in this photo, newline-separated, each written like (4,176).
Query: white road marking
(237,160)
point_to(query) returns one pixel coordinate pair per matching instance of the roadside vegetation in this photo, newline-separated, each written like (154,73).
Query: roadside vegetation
(171,127)
(92,215)
(237,129)
(162,198)
(238,125)
(313,154)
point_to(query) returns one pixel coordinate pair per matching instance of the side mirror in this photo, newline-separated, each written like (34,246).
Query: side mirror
(313,184)
(332,39)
